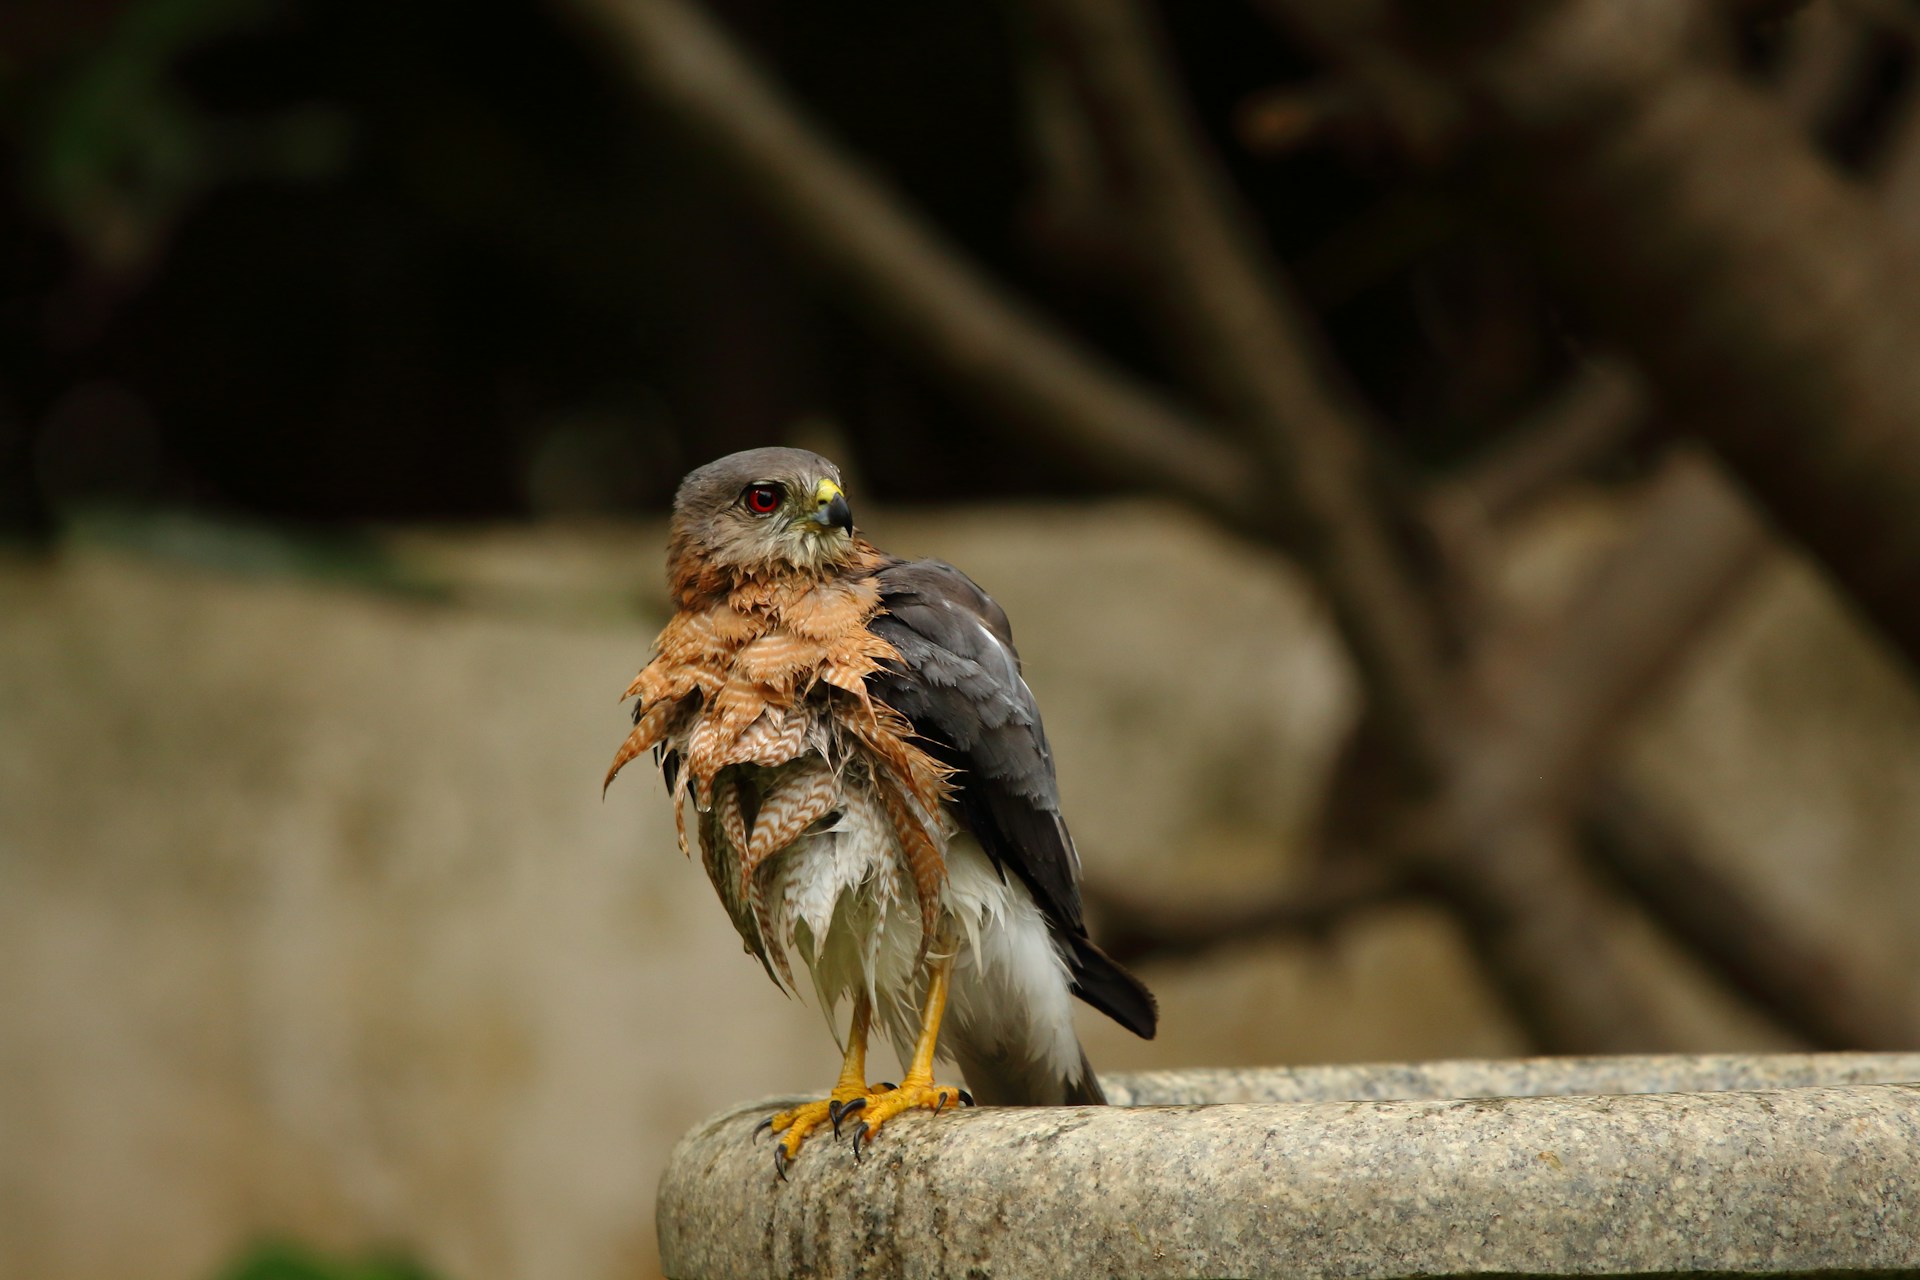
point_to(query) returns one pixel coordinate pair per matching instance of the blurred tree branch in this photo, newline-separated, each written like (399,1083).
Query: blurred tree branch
(1769,301)
(1819,993)
(1553,702)
(912,285)
(1591,416)
(1627,628)
(1227,308)
(1217,289)
(1638,613)
(1892,15)
(1135,925)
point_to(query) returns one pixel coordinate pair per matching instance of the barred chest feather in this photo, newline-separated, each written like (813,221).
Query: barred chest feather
(814,840)
(838,893)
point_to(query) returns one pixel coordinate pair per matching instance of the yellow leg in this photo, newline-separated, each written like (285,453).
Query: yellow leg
(930,1015)
(850,1093)
(916,1088)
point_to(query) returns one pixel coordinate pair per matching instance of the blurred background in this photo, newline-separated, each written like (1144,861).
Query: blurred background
(1453,469)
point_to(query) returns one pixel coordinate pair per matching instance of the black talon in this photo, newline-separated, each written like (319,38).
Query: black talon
(860,1134)
(887,1086)
(940,1102)
(965,1097)
(762,1127)
(780,1162)
(839,1111)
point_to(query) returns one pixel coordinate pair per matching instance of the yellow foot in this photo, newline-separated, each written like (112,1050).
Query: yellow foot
(882,1106)
(792,1128)
(868,1108)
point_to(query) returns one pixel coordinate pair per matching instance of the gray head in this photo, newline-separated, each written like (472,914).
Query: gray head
(763,509)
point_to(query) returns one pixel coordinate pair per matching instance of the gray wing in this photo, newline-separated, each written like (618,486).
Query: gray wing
(958,682)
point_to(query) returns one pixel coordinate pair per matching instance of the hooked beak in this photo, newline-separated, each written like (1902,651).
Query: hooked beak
(830,509)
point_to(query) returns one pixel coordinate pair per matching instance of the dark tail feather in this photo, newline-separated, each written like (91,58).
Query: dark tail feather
(1086,1091)
(1101,982)
(998,1081)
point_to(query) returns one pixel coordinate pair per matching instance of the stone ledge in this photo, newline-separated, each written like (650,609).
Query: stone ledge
(1595,1166)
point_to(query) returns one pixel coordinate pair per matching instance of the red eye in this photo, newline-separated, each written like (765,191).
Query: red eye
(762,499)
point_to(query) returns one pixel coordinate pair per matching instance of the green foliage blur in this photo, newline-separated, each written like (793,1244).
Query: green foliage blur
(281,1261)
(114,150)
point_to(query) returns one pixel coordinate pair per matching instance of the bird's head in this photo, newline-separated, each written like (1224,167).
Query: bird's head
(762,511)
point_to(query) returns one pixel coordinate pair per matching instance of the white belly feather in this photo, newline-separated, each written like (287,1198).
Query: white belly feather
(843,902)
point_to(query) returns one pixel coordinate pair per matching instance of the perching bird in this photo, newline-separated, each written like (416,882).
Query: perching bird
(873,792)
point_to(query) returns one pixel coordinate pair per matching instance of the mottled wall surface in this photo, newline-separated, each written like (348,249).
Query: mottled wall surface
(313,922)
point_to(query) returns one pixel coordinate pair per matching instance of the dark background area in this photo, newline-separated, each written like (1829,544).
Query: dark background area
(343,261)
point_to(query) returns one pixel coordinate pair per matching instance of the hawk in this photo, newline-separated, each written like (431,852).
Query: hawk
(873,793)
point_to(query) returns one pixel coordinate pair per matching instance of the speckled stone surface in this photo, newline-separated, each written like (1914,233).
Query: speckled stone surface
(1513,1078)
(1801,1164)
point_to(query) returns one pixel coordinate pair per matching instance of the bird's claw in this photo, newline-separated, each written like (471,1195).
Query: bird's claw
(883,1104)
(838,1111)
(874,1107)
(792,1128)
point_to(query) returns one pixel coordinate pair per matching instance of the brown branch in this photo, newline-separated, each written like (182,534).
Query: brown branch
(1501,829)
(1636,618)
(1596,412)
(1771,305)
(1498,840)
(1523,894)
(1896,170)
(1765,10)
(1629,627)
(1216,286)
(1824,53)
(1818,994)
(1767,299)
(1894,16)
(1362,38)
(914,287)
(1592,416)
(1136,927)
(1589,417)
(1730,260)
(1273,122)
(1564,693)
(1252,348)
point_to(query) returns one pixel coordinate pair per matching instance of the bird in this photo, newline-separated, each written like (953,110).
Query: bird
(864,768)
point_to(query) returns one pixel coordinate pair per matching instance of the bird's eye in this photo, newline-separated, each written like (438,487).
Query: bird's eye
(762,499)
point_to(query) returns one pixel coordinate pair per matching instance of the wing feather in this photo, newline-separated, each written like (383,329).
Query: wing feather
(958,682)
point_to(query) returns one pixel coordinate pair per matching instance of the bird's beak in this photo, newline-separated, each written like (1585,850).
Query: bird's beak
(830,509)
